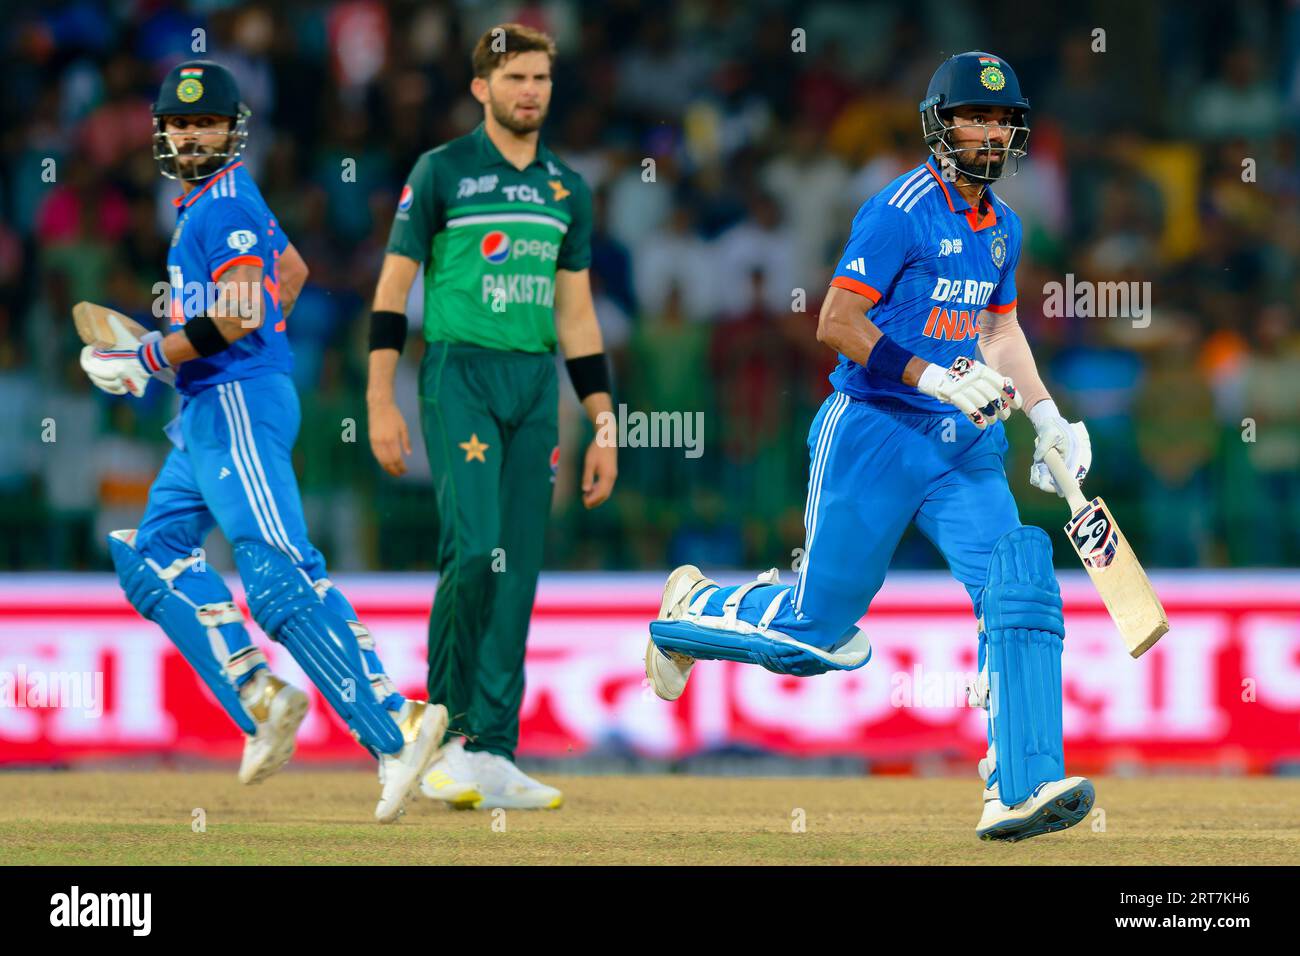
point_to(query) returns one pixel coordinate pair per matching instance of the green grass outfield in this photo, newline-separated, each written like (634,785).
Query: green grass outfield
(306,817)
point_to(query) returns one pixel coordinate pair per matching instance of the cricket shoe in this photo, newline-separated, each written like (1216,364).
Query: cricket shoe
(423,726)
(1054,805)
(668,671)
(451,778)
(277,709)
(505,785)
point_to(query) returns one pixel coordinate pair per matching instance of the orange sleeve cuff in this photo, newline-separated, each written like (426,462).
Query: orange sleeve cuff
(853,285)
(236,261)
(1002,309)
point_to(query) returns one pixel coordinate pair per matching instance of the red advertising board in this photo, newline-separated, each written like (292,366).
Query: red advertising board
(1222,688)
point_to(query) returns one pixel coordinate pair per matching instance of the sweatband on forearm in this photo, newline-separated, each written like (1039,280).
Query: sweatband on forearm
(589,374)
(1005,349)
(205,336)
(387,330)
(888,359)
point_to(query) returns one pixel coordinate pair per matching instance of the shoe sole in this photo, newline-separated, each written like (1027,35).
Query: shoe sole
(1059,813)
(429,738)
(509,803)
(291,717)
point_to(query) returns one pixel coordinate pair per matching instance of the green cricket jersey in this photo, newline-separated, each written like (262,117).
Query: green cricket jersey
(491,238)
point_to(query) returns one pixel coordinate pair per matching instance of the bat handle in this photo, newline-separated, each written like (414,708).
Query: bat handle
(1064,480)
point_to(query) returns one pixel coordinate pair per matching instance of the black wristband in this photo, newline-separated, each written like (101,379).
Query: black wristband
(387,330)
(205,336)
(888,359)
(589,374)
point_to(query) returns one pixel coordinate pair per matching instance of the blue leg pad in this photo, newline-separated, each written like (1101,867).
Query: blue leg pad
(776,652)
(288,609)
(1026,632)
(181,618)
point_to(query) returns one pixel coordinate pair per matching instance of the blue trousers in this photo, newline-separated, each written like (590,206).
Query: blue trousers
(876,467)
(233,468)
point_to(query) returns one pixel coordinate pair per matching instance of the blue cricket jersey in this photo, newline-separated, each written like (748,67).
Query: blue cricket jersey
(929,263)
(221,224)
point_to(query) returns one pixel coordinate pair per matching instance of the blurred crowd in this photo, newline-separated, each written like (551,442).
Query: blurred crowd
(728,145)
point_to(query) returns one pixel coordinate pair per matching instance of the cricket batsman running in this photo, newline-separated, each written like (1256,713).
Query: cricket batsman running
(913,433)
(500,228)
(234,277)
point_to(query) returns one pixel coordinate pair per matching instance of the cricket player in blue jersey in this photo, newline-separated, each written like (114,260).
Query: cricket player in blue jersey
(234,277)
(913,433)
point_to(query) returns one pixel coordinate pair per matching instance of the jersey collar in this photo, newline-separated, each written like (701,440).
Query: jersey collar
(491,156)
(979,219)
(185,202)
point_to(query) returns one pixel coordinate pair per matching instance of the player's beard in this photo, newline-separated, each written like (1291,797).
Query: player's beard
(981,167)
(519,127)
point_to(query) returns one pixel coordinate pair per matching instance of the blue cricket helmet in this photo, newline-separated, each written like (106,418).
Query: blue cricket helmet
(196,88)
(976,79)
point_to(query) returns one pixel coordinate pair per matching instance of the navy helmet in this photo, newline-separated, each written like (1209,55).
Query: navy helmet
(976,79)
(198,88)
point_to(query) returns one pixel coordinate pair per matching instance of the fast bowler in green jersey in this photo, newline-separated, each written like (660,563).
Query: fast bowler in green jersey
(501,229)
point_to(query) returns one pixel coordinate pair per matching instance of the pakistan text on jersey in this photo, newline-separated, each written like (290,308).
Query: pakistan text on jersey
(522,289)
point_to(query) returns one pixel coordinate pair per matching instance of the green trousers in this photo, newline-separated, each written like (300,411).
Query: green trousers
(490,425)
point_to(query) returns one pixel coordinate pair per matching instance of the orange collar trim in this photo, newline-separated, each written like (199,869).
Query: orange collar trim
(977,221)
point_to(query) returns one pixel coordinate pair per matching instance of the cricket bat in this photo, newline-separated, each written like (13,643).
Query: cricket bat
(100,326)
(1110,562)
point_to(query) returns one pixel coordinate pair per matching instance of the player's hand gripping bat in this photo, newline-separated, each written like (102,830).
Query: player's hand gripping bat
(100,326)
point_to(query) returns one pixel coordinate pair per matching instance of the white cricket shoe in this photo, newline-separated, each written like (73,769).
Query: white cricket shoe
(668,671)
(1054,805)
(452,780)
(277,709)
(423,725)
(505,785)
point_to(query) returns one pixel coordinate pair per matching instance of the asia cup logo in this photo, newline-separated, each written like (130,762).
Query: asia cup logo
(406,199)
(495,247)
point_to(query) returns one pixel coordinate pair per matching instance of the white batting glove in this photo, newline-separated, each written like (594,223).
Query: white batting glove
(1070,439)
(981,393)
(115,371)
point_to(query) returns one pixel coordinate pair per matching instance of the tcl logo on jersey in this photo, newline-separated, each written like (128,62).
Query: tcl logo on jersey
(523,194)
(495,247)
(241,240)
(962,292)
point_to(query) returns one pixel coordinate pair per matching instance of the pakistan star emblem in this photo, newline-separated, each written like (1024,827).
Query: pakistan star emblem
(474,449)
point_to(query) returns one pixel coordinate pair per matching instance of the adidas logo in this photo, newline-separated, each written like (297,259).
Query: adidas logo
(858,265)
(223,473)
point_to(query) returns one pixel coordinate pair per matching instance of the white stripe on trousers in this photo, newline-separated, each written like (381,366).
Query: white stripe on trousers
(273,510)
(820,456)
(254,491)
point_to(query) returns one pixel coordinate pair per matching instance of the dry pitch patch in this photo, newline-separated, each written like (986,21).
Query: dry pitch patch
(305,817)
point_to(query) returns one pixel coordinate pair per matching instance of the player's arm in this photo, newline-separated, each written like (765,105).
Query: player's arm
(580,341)
(292,272)
(389,438)
(238,310)
(843,325)
(1004,347)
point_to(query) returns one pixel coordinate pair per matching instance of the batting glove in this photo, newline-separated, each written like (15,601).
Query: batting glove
(1070,439)
(974,388)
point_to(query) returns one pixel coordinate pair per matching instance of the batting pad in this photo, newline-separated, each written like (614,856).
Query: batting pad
(179,616)
(1025,632)
(287,608)
(766,648)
